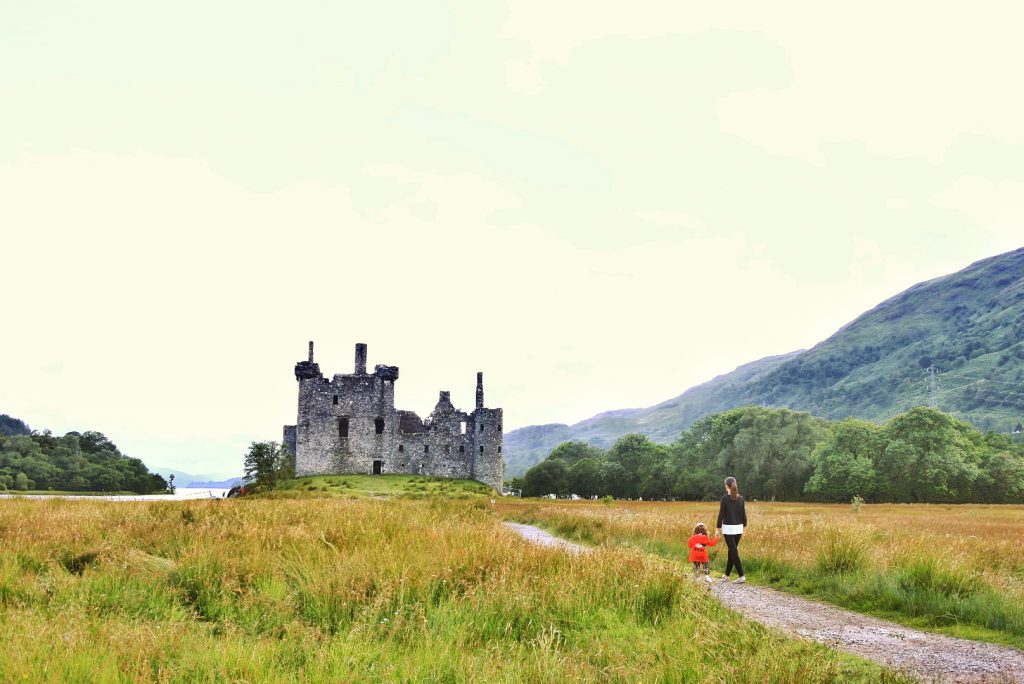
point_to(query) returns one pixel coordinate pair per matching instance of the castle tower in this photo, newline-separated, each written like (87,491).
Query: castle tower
(348,424)
(361,358)
(487,439)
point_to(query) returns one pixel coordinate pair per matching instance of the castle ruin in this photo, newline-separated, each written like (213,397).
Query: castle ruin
(349,425)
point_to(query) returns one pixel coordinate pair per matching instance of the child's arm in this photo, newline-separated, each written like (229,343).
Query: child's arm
(713,540)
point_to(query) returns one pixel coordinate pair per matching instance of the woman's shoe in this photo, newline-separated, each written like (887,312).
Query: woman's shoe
(740,580)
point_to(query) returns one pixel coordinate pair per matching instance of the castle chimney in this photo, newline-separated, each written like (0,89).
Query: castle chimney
(311,351)
(479,390)
(445,398)
(360,358)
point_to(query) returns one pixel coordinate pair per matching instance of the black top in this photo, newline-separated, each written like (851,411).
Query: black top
(731,512)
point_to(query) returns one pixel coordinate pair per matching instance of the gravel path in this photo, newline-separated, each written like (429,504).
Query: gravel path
(933,657)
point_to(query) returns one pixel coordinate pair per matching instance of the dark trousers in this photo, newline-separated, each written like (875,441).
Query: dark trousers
(700,568)
(733,542)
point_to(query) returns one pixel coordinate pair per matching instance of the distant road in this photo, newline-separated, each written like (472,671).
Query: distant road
(180,494)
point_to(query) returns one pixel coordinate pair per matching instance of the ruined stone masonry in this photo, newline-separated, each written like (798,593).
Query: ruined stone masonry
(349,425)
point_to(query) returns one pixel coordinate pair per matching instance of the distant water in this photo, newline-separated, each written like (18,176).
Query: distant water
(180,494)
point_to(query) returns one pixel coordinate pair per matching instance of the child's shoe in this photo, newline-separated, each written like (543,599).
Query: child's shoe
(707,578)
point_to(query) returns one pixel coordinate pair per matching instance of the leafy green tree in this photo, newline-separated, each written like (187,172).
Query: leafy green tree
(638,456)
(614,480)
(767,450)
(585,478)
(656,482)
(895,468)
(22,483)
(844,464)
(547,477)
(266,463)
(573,452)
(936,456)
(1002,478)
(78,484)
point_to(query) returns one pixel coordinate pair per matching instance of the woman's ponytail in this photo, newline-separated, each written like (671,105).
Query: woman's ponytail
(733,487)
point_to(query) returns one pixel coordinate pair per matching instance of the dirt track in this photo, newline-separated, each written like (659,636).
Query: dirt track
(932,657)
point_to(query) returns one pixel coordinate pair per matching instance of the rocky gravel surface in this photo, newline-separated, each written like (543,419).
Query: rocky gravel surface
(931,657)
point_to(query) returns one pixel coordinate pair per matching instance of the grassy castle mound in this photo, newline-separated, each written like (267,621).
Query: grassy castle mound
(378,487)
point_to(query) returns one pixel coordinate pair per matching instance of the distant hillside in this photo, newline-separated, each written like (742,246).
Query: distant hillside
(663,422)
(968,325)
(183,479)
(9,425)
(220,484)
(76,462)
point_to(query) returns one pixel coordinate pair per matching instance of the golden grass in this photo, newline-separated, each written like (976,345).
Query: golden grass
(965,553)
(355,590)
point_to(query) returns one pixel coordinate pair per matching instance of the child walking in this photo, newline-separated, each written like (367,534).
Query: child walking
(699,543)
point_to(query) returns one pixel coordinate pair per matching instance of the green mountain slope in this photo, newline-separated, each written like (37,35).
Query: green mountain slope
(968,325)
(663,422)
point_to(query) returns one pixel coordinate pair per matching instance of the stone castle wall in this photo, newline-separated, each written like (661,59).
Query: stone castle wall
(348,424)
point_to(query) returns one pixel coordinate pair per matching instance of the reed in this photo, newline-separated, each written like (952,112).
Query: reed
(953,569)
(337,589)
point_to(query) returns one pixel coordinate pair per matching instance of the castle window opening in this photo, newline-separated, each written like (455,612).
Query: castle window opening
(323,442)
(481,450)
(499,450)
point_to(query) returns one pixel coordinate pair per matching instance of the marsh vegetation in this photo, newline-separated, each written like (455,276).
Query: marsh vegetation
(357,589)
(951,569)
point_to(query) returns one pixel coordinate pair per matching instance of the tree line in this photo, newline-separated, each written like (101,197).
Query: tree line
(922,455)
(78,461)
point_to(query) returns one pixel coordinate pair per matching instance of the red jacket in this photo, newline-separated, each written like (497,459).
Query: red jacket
(700,555)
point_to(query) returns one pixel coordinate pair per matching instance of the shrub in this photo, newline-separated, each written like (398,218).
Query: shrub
(925,574)
(841,552)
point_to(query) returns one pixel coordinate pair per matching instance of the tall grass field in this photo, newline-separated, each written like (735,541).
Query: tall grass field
(956,569)
(337,589)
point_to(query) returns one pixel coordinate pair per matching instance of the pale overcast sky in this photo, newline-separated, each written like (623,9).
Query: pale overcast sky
(597,204)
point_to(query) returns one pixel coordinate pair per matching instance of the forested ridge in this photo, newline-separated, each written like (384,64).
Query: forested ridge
(919,456)
(78,461)
(968,326)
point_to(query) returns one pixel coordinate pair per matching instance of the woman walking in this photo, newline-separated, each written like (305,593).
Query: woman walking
(732,519)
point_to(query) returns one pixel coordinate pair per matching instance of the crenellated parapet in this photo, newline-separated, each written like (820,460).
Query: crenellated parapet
(308,369)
